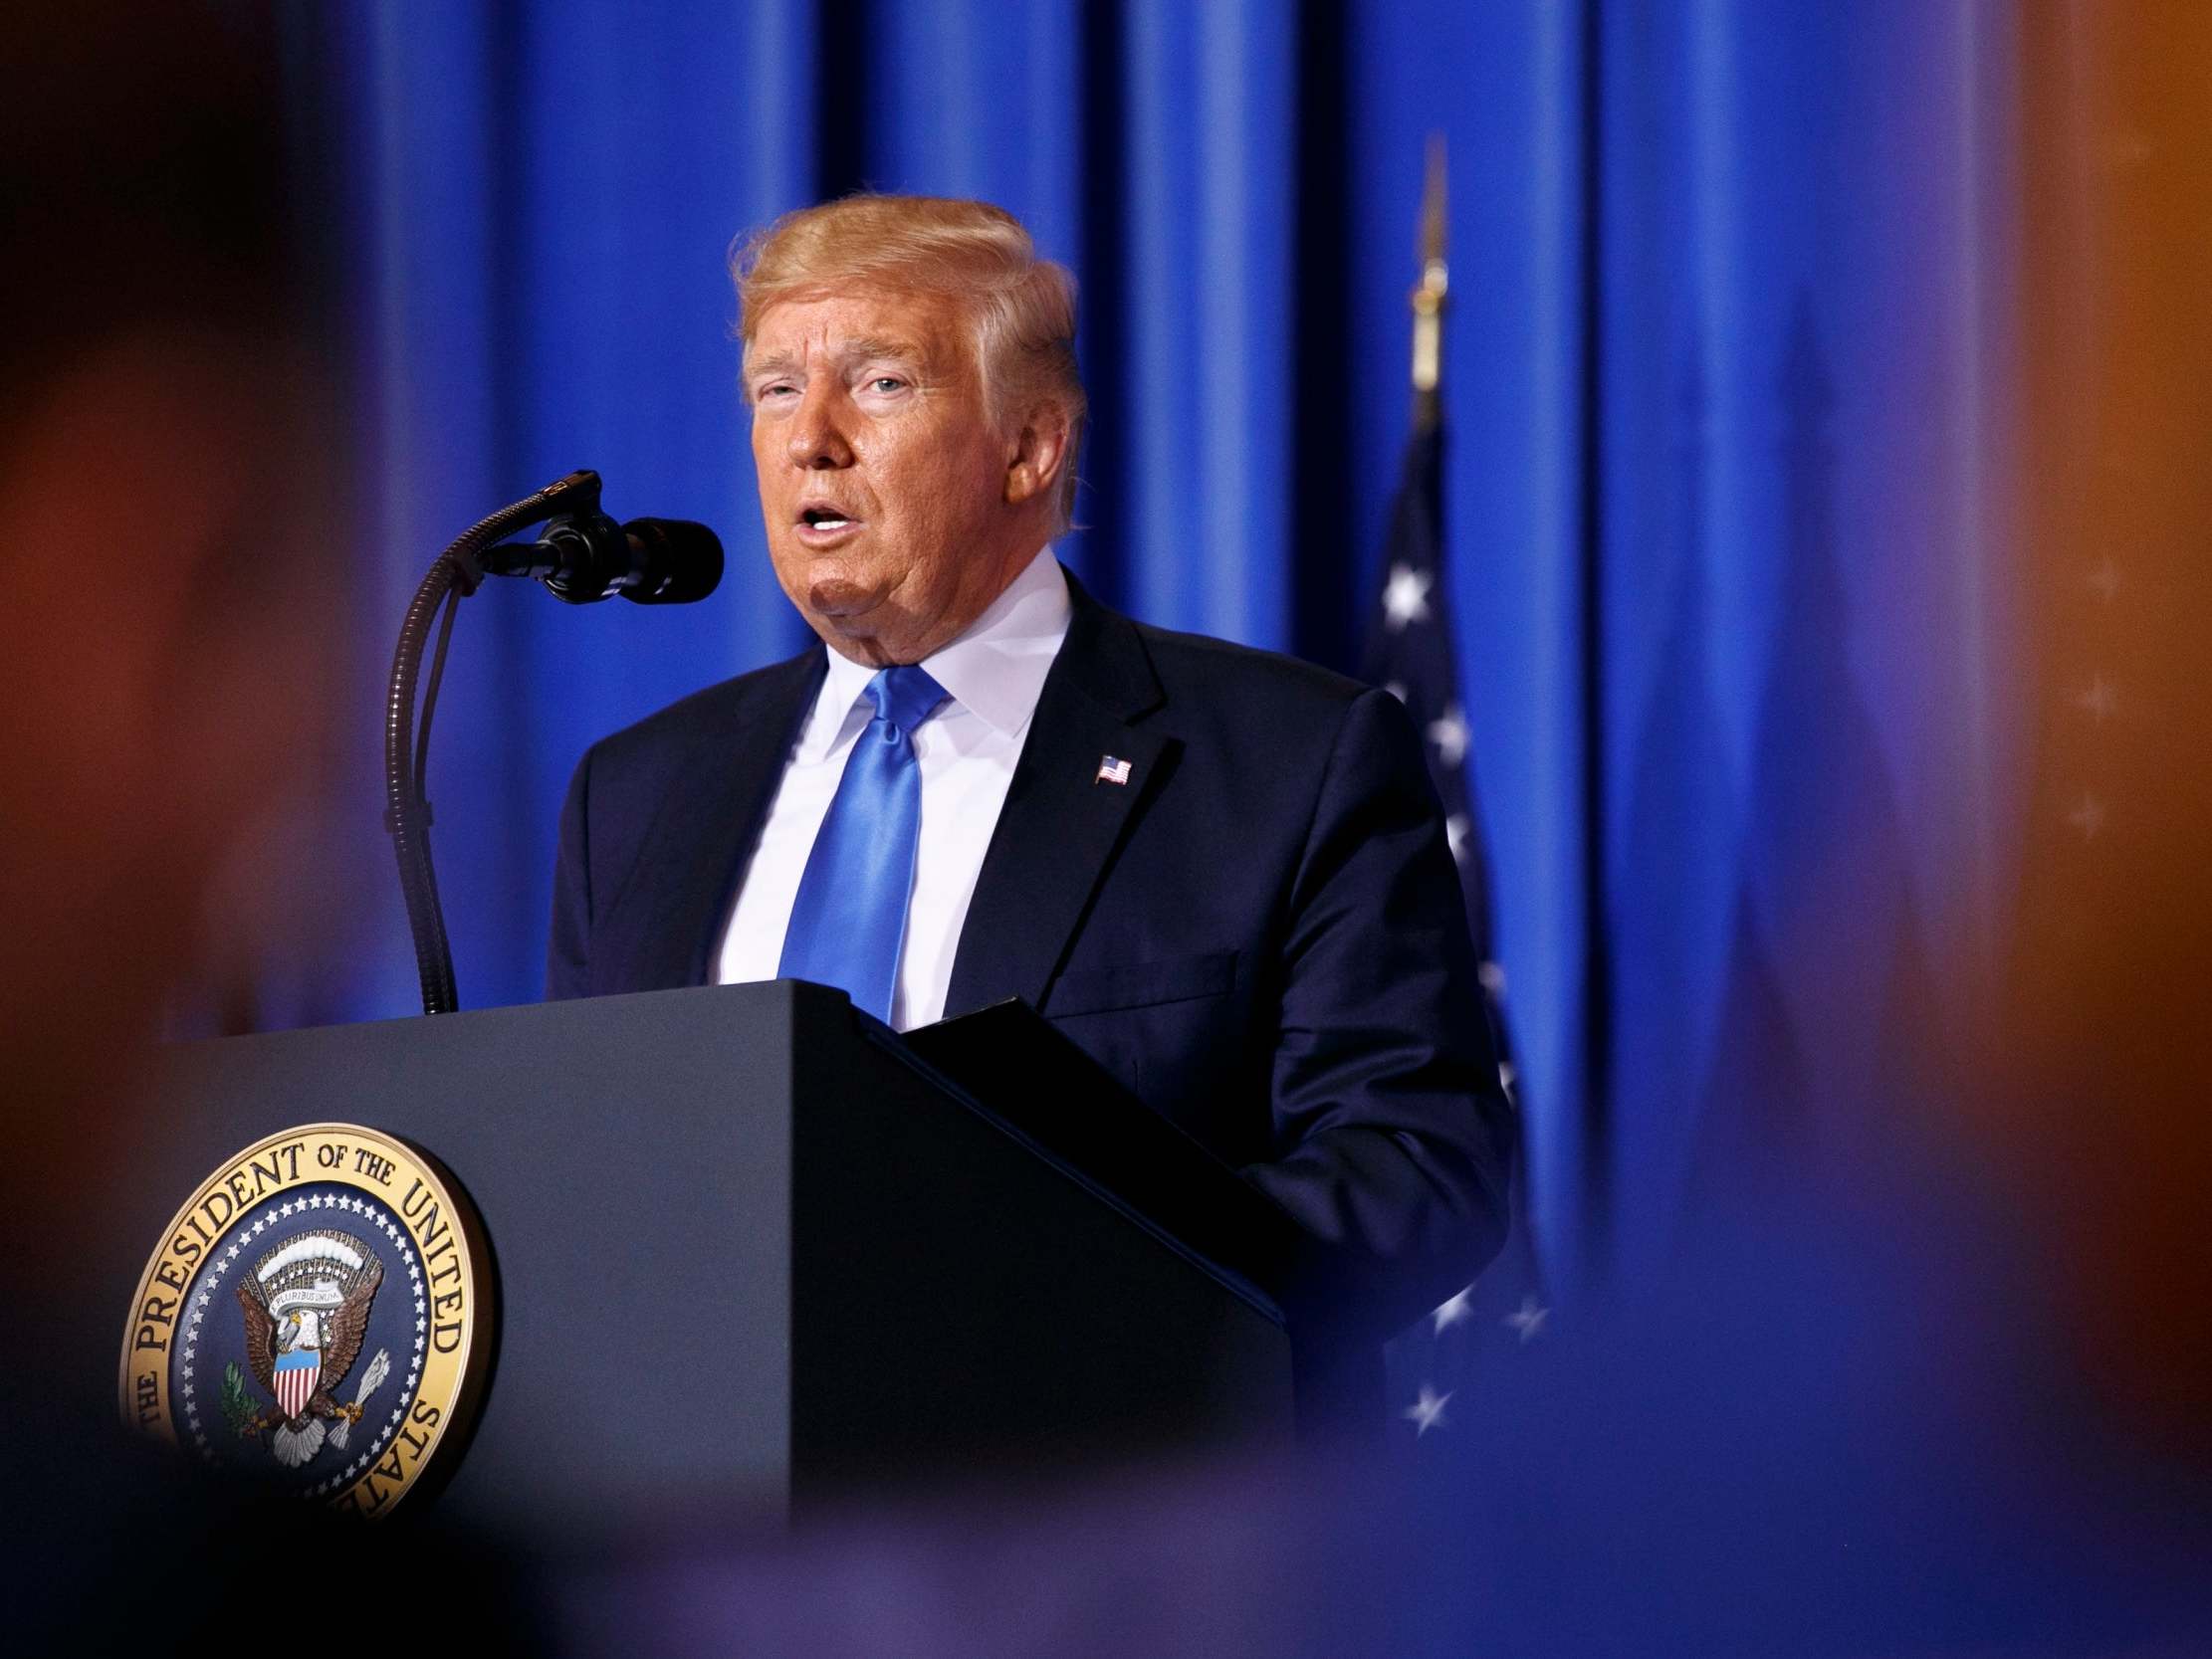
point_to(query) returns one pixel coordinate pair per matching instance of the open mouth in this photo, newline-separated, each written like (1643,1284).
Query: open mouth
(825,519)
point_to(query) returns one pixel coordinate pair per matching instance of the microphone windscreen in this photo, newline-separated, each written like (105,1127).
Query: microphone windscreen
(682,559)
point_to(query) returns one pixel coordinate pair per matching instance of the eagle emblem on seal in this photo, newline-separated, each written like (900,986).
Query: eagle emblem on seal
(307,1304)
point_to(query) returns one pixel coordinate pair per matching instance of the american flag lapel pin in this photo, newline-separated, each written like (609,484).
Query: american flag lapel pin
(1111,770)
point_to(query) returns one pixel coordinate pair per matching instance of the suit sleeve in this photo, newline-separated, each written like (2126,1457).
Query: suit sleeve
(1393,1137)
(569,945)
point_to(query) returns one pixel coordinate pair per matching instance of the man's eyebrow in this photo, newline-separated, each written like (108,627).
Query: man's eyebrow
(861,349)
(857,351)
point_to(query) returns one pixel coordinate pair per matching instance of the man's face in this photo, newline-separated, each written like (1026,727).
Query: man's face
(883,480)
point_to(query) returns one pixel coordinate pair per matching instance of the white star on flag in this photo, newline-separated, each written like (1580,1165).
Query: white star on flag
(1450,1313)
(1528,1319)
(2088,817)
(1450,734)
(1456,836)
(1405,597)
(1426,1412)
(2099,700)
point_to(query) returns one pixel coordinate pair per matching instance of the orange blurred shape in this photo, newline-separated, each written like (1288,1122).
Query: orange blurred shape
(2097,1032)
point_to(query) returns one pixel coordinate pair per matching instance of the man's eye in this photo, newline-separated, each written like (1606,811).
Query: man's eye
(775,389)
(886,383)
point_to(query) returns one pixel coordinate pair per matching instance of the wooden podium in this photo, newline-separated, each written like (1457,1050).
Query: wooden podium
(755,1250)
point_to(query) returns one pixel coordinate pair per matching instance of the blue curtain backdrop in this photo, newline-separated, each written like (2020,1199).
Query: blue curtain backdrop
(1725,333)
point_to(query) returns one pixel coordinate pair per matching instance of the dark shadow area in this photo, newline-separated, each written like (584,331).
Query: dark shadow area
(1599,1037)
(1097,551)
(841,81)
(1324,541)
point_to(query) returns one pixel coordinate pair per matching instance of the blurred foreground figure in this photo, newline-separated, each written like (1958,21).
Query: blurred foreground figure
(160,652)
(2095,1067)
(159,646)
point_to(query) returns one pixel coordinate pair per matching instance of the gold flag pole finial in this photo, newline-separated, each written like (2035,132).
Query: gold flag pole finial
(1428,296)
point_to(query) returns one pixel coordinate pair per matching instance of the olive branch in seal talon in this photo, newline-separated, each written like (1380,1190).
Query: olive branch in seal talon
(240,1409)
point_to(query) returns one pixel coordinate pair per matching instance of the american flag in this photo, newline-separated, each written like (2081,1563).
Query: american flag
(1409,652)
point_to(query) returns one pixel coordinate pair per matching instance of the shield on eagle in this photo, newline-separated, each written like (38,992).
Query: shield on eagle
(307,1304)
(296,1377)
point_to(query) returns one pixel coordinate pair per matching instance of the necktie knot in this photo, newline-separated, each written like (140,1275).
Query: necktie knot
(905,696)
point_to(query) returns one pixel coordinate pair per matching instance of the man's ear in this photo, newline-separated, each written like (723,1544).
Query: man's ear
(1040,453)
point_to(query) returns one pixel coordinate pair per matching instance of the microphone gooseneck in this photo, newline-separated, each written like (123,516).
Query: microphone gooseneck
(582,557)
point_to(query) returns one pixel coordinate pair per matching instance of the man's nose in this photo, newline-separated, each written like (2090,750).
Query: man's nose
(817,438)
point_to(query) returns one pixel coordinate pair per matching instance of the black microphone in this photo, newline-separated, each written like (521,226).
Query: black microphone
(584,557)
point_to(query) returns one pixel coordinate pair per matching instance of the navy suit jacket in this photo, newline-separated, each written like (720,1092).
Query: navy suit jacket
(1261,934)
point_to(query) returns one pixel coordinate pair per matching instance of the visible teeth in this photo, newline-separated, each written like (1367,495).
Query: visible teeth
(830,524)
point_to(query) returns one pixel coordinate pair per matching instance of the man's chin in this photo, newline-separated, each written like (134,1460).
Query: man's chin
(841,596)
(851,615)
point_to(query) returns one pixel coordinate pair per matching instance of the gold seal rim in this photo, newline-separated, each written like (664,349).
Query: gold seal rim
(462,1375)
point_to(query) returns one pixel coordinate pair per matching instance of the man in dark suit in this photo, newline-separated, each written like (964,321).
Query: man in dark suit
(1222,873)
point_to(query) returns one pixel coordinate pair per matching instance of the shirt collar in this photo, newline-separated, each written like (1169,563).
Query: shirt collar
(995,670)
(833,707)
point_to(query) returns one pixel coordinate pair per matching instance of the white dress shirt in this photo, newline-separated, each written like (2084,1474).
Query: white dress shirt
(993,675)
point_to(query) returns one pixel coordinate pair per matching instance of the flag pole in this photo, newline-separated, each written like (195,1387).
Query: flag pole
(1428,293)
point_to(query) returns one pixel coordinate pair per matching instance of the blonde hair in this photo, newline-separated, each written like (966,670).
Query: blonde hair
(1019,307)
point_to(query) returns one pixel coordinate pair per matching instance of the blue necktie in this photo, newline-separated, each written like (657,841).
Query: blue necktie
(849,918)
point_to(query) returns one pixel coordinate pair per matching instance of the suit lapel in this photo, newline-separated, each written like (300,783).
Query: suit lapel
(1061,822)
(710,821)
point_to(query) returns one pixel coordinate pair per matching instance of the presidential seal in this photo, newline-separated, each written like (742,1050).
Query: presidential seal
(318,1314)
